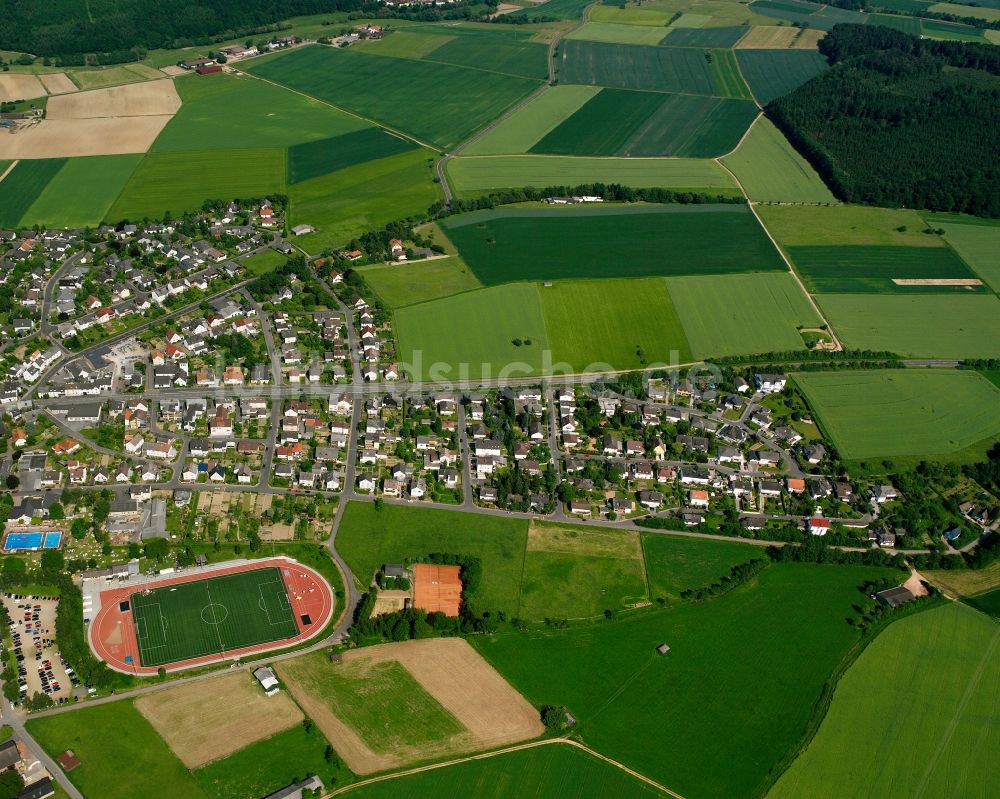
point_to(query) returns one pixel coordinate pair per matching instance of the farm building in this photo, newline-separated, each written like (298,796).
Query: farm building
(209,69)
(268,681)
(894,597)
(437,588)
(297,790)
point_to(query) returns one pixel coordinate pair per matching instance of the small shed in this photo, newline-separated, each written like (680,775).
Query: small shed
(663,649)
(267,679)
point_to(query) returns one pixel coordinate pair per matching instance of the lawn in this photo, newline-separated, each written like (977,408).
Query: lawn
(210,616)
(453,101)
(23,185)
(979,245)
(521,130)
(772,171)
(80,194)
(742,314)
(368,539)
(154,772)
(231,112)
(917,326)
(472,335)
(736,665)
(183,181)
(401,285)
(476,176)
(266,261)
(674,564)
(611,241)
(320,157)
(910,412)
(599,325)
(346,203)
(871,269)
(932,721)
(622,122)
(381,702)
(846,224)
(557,770)
(774,73)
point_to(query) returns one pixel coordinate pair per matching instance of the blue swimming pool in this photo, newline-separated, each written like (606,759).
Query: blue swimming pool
(18,542)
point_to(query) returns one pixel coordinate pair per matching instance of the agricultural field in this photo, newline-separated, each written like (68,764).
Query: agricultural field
(931,722)
(651,124)
(419,281)
(885,413)
(735,663)
(574,573)
(320,157)
(554,9)
(967,583)
(509,51)
(988,603)
(795,226)
(454,101)
(113,76)
(703,37)
(24,184)
(612,241)
(618,34)
(979,246)
(742,314)
(182,181)
(80,194)
(917,326)
(553,770)
(770,169)
(594,325)
(368,539)
(475,176)
(867,269)
(674,564)
(773,73)
(473,335)
(763,37)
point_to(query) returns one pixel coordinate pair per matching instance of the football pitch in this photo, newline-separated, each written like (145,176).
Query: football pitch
(211,616)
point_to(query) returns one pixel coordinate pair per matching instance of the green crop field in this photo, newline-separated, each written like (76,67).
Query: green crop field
(518,132)
(407,43)
(556,770)
(872,269)
(182,181)
(80,194)
(154,772)
(742,314)
(627,66)
(674,564)
(436,103)
(368,539)
(773,73)
(210,616)
(320,157)
(554,9)
(950,31)
(511,52)
(726,73)
(229,112)
(772,171)
(703,37)
(346,203)
(846,224)
(381,702)
(398,286)
(23,185)
(988,603)
(979,245)
(917,326)
(613,241)
(472,335)
(622,122)
(622,324)
(618,34)
(909,25)
(918,412)
(735,664)
(922,733)
(480,175)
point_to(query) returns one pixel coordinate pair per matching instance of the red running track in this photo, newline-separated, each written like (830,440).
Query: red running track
(112,631)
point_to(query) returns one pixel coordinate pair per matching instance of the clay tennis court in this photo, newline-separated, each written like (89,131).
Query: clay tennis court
(209,719)
(437,588)
(153,98)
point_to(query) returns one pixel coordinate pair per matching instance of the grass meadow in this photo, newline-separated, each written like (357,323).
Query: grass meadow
(451,102)
(774,73)
(909,412)
(419,281)
(988,603)
(320,157)
(735,664)
(611,241)
(266,261)
(475,176)
(979,245)
(923,733)
(674,564)
(967,583)
(542,771)
(741,314)
(25,184)
(368,539)
(182,181)
(80,194)
(772,171)
(917,326)
(795,226)
(623,324)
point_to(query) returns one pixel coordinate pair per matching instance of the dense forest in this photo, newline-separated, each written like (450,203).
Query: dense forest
(901,121)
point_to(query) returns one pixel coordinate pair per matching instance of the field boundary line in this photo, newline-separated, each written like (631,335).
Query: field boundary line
(743,77)
(10,169)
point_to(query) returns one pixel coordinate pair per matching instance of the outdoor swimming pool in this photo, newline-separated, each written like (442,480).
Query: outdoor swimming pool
(19,542)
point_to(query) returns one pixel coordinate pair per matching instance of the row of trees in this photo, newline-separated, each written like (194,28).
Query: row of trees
(738,575)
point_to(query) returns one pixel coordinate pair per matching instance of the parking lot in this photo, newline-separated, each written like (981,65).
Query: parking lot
(40,669)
